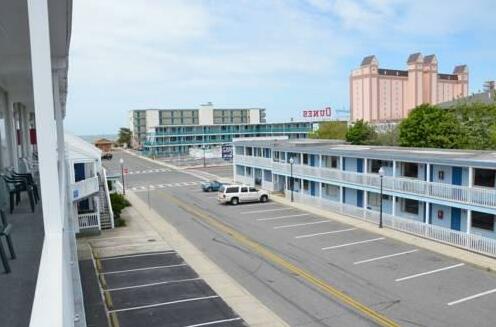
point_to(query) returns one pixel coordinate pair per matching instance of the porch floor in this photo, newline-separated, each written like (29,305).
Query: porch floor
(17,288)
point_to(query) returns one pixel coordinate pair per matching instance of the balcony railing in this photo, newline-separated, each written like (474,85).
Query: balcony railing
(84,188)
(462,194)
(89,221)
(471,242)
(233,131)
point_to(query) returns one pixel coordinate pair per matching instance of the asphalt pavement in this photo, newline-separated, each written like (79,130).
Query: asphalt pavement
(409,285)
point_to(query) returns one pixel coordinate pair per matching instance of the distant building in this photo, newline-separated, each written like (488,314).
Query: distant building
(487,97)
(104,145)
(384,95)
(171,132)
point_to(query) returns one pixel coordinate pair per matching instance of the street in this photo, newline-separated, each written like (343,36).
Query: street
(313,271)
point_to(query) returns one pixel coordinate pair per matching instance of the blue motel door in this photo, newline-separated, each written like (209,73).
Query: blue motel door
(359,198)
(456,216)
(456,178)
(360,165)
(312,188)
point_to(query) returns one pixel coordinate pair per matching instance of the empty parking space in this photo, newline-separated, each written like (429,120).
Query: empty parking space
(160,289)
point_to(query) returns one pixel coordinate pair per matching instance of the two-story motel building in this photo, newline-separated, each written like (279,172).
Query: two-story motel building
(441,194)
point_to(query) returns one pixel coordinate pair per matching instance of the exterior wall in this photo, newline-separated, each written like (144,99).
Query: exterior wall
(152,119)
(254,116)
(377,96)
(206,115)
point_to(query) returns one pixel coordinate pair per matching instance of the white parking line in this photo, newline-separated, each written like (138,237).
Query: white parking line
(140,269)
(325,233)
(266,210)
(283,217)
(154,284)
(303,224)
(214,322)
(384,257)
(468,298)
(165,303)
(138,255)
(352,243)
(429,272)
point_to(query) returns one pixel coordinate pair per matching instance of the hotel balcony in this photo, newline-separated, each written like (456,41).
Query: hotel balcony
(473,196)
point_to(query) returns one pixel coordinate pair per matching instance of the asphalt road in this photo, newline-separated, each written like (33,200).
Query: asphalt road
(409,285)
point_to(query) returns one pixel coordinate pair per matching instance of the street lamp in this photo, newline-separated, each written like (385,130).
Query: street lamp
(381,175)
(204,163)
(291,162)
(121,161)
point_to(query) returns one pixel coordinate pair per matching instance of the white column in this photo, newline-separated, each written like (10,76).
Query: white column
(51,277)
(10,132)
(341,160)
(394,168)
(60,132)
(428,172)
(427,206)
(470,176)
(341,190)
(365,165)
(469,221)
(365,202)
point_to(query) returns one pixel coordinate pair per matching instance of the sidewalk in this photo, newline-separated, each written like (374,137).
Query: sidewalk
(147,231)
(444,249)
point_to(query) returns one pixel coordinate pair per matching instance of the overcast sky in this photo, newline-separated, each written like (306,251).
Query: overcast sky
(282,55)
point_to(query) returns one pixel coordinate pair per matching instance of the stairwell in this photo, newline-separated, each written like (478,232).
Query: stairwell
(105,219)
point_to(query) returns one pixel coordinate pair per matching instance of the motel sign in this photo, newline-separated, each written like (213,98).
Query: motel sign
(317,113)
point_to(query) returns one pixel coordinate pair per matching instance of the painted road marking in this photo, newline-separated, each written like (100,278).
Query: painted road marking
(266,210)
(137,255)
(153,187)
(275,259)
(468,298)
(326,233)
(384,257)
(166,303)
(302,224)
(429,272)
(353,243)
(154,284)
(214,322)
(283,217)
(140,269)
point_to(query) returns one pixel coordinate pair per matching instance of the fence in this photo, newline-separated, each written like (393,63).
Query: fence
(470,242)
(89,220)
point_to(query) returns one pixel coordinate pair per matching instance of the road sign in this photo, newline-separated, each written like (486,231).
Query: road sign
(227,152)
(125,171)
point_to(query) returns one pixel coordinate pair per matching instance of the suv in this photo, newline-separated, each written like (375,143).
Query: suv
(235,194)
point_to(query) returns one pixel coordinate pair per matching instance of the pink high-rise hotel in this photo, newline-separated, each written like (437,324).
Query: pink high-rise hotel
(386,95)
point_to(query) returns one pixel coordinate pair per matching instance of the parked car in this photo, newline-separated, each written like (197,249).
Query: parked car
(211,186)
(235,194)
(107,156)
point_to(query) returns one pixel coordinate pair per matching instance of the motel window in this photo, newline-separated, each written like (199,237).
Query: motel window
(248,151)
(330,161)
(248,171)
(305,159)
(411,206)
(306,184)
(331,190)
(258,152)
(377,164)
(482,220)
(240,170)
(410,169)
(266,153)
(276,156)
(484,177)
(267,175)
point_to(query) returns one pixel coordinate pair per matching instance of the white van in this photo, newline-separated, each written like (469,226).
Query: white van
(235,194)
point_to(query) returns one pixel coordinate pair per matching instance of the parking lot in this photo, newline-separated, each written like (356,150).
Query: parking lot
(424,288)
(160,289)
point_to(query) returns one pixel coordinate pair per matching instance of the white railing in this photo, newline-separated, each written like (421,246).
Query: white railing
(472,242)
(84,188)
(463,194)
(89,220)
(107,195)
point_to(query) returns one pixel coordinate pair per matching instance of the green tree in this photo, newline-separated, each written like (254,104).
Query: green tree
(335,130)
(125,135)
(361,133)
(430,126)
(390,136)
(478,121)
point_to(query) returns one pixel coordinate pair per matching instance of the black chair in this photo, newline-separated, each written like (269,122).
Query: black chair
(5,229)
(15,187)
(28,177)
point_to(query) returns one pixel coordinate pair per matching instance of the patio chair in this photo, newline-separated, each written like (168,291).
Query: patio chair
(29,179)
(5,229)
(15,186)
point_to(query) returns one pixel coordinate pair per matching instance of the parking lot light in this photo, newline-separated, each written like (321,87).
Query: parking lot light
(381,175)
(121,161)
(291,162)
(204,148)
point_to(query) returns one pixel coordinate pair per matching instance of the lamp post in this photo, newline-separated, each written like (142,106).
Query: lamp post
(121,161)
(381,175)
(291,162)
(204,163)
